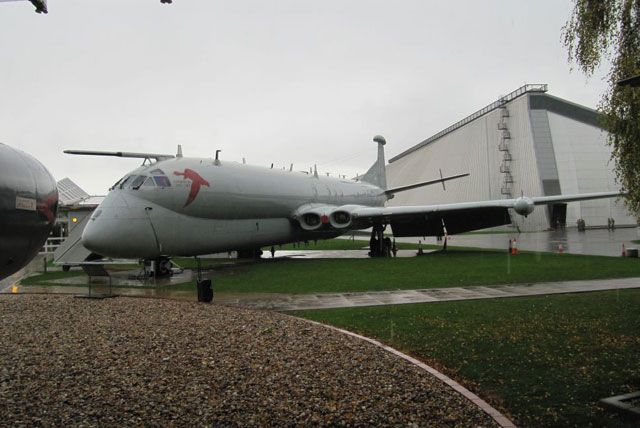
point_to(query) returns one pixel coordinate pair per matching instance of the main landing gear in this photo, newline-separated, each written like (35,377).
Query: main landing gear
(253,253)
(162,267)
(205,292)
(379,246)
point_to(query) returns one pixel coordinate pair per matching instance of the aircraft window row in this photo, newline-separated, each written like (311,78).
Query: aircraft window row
(162,181)
(135,181)
(116,184)
(127,181)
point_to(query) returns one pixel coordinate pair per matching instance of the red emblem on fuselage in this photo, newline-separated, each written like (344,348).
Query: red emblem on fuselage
(49,206)
(196,182)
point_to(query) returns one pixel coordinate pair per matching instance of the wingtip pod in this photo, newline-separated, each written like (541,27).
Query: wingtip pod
(524,206)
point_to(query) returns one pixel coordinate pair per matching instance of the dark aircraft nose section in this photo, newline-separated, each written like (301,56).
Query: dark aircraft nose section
(28,208)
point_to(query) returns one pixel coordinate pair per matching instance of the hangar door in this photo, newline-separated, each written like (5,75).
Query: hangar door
(558,216)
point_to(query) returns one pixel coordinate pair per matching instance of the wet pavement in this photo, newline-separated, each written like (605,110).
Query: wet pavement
(601,242)
(295,302)
(334,254)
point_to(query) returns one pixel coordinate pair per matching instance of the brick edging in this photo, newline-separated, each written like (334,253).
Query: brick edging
(500,419)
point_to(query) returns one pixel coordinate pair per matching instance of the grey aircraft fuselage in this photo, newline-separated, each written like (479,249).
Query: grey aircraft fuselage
(192,206)
(181,206)
(28,207)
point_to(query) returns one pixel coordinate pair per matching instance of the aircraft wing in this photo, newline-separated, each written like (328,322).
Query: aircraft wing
(430,220)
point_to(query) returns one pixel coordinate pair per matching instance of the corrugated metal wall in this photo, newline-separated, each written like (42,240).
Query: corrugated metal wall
(584,166)
(543,145)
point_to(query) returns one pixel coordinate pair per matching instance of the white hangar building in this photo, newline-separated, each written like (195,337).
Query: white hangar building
(528,142)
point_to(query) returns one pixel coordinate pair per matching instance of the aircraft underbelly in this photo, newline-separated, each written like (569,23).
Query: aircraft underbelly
(182,235)
(187,236)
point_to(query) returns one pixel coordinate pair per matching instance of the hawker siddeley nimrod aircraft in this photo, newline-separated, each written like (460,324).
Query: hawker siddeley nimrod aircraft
(179,206)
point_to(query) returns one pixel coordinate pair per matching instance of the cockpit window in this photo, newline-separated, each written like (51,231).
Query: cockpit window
(116,184)
(127,181)
(137,182)
(162,181)
(149,182)
(157,171)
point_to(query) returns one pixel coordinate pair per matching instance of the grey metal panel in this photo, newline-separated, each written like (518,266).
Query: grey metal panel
(529,88)
(546,159)
(551,187)
(565,108)
(551,153)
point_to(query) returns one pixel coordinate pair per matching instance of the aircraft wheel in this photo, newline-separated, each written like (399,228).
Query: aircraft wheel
(163,267)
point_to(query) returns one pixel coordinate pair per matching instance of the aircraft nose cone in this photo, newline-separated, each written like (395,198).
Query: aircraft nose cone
(120,228)
(94,238)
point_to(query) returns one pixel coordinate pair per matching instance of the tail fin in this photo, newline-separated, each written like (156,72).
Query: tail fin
(377,174)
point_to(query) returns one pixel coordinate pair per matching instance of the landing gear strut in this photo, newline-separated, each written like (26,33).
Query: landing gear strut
(379,246)
(162,267)
(253,253)
(205,292)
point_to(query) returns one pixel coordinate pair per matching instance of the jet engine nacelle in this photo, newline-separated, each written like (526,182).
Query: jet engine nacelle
(524,206)
(314,217)
(310,220)
(340,219)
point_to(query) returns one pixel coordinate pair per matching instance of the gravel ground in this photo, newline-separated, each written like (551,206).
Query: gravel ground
(143,362)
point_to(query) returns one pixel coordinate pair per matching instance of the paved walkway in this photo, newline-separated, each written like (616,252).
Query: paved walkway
(294,302)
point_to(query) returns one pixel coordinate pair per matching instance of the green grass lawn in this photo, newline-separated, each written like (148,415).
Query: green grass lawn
(451,269)
(547,360)
(46,278)
(454,268)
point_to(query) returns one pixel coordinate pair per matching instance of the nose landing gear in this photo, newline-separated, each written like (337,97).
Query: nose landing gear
(161,267)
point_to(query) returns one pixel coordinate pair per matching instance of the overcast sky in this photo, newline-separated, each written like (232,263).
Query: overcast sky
(272,81)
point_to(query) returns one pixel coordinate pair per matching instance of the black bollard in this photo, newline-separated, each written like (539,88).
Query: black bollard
(205,292)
